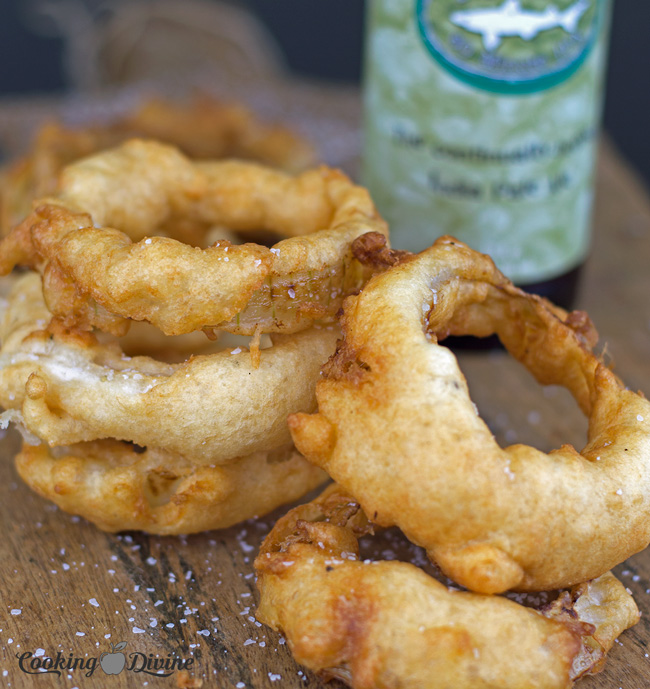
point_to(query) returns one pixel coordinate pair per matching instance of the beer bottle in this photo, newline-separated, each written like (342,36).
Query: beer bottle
(481,120)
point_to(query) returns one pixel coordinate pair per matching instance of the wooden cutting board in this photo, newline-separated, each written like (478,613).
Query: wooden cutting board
(69,588)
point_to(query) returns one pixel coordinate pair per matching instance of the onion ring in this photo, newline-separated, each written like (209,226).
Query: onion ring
(70,387)
(120,487)
(95,276)
(381,624)
(396,427)
(205,128)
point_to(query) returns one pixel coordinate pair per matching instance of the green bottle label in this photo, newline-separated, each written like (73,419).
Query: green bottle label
(481,119)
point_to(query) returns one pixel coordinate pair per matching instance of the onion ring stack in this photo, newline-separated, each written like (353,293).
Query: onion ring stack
(380,624)
(137,441)
(206,440)
(70,387)
(138,431)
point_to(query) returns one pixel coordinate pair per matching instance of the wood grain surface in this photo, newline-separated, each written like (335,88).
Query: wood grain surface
(69,588)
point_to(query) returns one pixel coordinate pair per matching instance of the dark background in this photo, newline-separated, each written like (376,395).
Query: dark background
(323,39)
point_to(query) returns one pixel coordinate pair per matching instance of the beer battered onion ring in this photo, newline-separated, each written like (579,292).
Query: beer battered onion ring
(204,128)
(397,429)
(381,624)
(120,487)
(96,276)
(69,387)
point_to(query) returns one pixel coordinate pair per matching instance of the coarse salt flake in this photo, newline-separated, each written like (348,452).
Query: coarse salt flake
(137,630)
(534,417)
(93,602)
(17,611)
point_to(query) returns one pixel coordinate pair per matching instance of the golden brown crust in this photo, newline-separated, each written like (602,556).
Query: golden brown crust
(372,249)
(396,427)
(388,624)
(120,487)
(204,128)
(209,129)
(97,276)
(70,386)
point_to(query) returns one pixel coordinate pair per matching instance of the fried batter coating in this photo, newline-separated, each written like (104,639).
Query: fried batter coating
(379,625)
(70,387)
(119,487)
(396,427)
(207,129)
(204,128)
(97,276)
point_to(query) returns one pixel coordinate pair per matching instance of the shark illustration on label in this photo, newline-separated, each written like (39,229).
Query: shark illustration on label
(511,20)
(511,46)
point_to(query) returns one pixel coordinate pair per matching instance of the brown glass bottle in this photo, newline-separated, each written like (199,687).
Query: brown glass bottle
(478,126)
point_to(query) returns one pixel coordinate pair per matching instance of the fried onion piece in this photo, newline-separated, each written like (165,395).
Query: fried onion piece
(119,486)
(97,276)
(208,129)
(382,624)
(70,387)
(606,605)
(204,128)
(397,428)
